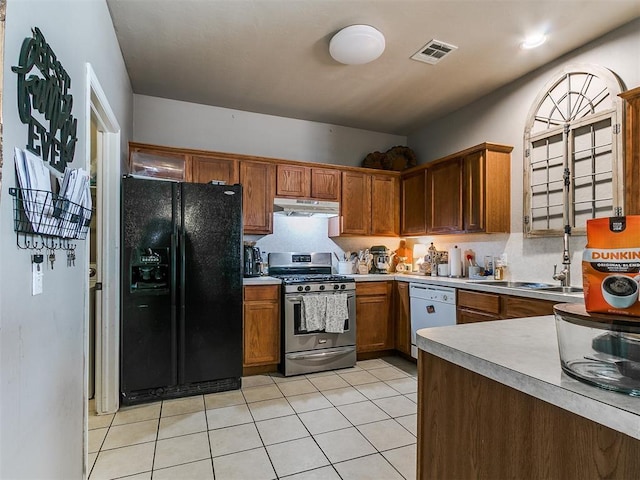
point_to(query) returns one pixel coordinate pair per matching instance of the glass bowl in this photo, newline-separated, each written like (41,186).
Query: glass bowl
(599,349)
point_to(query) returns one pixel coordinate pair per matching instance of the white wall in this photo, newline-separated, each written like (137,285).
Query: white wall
(42,337)
(500,117)
(309,234)
(189,125)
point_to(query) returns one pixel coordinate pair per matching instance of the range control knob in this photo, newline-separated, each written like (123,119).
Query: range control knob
(300,289)
(321,287)
(336,286)
(343,286)
(444,297)
(307,288)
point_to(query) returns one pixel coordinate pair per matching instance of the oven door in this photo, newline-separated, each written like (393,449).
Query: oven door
(297,340)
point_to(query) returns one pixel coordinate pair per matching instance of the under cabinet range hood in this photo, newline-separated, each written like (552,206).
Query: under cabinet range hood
(305,208)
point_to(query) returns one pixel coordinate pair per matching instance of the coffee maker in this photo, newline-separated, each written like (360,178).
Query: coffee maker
(381,259)
(252,261)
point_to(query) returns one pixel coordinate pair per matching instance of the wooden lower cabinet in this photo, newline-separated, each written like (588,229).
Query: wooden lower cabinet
(261,345)
(374,318)
(470,426)
(402,317)
(482,307)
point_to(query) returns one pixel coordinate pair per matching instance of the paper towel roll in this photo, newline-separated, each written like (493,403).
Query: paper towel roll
(455,262)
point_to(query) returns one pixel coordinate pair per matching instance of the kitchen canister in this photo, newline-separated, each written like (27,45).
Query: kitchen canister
(455,262)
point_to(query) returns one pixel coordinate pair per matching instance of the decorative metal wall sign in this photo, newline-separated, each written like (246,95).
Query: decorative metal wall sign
(44,96)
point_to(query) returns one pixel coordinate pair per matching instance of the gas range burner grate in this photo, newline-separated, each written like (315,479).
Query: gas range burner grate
(314,278)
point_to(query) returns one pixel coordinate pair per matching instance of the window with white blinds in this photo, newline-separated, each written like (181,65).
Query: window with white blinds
(573,153)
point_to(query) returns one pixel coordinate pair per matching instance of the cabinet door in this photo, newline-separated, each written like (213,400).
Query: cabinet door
(385,214)
(355,207)
(403,317)
(632,151)
(373,317)
(158,164)
(473,193)
(293,181)
(414,204)
(206,169)
(444,187)
(258,182)
(325,184)
(261,325)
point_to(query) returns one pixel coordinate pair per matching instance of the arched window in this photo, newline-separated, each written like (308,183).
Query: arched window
(572,137)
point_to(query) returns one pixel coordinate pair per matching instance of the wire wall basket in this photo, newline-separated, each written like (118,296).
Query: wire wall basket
(41,212)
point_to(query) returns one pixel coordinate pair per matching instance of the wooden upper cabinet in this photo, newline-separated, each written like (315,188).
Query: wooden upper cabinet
(258,187)
(369,205)
(308,182)
(355,208)
(444,197)
(158,163)
(413,204)
(632,151)
(473,194)
(486,191)
(325,184)
(293,181)
(204,169)
(385,214)
(466,192)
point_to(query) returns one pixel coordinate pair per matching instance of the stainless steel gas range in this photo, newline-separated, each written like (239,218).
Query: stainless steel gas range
(318,313)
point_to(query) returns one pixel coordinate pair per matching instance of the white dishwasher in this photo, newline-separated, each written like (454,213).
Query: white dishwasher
(431,306)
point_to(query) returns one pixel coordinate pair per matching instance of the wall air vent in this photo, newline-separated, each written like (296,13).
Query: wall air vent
(433,52)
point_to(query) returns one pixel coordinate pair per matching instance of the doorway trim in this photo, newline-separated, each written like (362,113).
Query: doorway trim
(107,266)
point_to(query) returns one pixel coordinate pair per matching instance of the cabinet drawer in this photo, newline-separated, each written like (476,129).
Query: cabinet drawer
(372,288)
(472,316)
(485,302)
(516,307)
(261,292)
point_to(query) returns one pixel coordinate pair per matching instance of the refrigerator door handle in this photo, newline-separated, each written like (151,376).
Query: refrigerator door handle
(174,313)
(182,306)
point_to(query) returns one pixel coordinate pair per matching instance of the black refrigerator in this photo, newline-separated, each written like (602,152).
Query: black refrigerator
(181,289)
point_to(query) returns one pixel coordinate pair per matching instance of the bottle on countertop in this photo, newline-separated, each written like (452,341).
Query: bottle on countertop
(433,260)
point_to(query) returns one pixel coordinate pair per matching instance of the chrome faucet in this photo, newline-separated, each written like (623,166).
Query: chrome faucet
(565,274)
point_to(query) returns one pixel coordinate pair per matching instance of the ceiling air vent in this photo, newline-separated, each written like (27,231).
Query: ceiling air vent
(433,52)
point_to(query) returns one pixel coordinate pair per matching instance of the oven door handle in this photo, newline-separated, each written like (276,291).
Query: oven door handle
(311,356)
(298,298)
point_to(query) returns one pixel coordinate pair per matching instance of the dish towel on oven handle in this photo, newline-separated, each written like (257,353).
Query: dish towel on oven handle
(313,312)
(337,312)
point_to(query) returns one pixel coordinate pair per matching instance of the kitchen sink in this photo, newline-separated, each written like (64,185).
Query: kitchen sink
(527,285)
(563,289)
(543,287)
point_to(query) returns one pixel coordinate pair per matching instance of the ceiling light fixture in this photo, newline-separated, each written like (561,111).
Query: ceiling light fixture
(356,45)
(533,41)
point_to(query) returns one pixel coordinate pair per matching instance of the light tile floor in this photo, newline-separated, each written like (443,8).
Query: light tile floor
(356,423)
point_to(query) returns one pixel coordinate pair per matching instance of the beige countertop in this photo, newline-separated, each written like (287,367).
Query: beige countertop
(522,353)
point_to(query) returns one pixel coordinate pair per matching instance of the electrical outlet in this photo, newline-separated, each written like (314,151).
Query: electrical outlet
(37,277)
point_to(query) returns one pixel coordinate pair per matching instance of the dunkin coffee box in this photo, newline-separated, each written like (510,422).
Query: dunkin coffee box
(611,265)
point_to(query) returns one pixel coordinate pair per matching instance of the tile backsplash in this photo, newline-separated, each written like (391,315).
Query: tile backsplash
(530,259)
